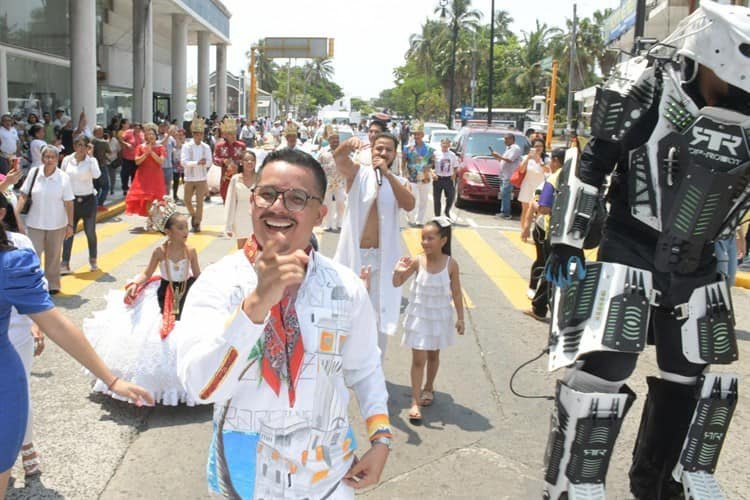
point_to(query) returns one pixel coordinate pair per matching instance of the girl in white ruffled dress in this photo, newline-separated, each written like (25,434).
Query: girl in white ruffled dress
(134,334)
(428,323)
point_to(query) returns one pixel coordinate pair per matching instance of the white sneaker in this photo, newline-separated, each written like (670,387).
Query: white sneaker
(530,293)
(65,270)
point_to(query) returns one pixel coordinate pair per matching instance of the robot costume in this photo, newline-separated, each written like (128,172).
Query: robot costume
(680,181)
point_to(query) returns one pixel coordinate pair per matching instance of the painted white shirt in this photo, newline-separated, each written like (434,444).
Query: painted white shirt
(264,448)
(81,174)
(48,196)
(190,155)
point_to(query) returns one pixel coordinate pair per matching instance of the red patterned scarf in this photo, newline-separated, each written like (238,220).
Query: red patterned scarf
(283,350)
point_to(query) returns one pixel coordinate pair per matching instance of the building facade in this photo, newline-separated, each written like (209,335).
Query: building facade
(109,57)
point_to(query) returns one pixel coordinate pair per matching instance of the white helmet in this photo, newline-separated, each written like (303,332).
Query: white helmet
(718,37)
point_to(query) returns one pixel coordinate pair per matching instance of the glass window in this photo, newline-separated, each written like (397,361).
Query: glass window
(35,87)
(37,25)
(113,102)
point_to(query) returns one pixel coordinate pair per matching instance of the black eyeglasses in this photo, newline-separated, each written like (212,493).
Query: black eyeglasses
(295,200)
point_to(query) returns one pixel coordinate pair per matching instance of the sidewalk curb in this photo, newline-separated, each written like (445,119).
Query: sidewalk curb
(112,210)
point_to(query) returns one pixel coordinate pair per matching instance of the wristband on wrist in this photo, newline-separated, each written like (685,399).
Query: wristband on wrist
(114,381)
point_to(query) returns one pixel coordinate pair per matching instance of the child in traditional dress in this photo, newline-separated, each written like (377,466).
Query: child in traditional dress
(429,317)
(134,333)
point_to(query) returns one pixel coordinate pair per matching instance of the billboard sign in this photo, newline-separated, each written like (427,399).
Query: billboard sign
(620,21)
(297,48)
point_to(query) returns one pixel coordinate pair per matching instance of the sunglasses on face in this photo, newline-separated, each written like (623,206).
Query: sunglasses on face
(295,200)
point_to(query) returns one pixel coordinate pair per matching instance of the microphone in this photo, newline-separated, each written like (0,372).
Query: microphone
(378,177)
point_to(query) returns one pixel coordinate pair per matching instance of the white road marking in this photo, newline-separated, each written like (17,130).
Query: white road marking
(471,222)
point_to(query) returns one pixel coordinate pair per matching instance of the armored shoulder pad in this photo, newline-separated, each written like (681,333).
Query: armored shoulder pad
(623,99)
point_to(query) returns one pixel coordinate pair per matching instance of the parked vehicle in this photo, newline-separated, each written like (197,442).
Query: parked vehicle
(313,146)
(479,171)
(429,127)
(439,134)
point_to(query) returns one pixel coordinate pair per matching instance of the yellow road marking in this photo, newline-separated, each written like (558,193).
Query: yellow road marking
(412,238)
(530,249)
(527,248)
(102,231)
(74,284)
(510,283)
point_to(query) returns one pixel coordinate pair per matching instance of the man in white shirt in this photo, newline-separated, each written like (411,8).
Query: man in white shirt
(444,177)
(510,160)
(196,159)
(10,143)
(370,232)
(247,134)
(335,199)
(273,336)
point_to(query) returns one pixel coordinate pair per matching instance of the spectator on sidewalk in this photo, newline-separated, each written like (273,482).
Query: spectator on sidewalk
(509,162)
(538,218)
(533,166)
(166,139)
(10,142)
(130,138)
(178,172)
(102,153)
(49,220)
(83,170)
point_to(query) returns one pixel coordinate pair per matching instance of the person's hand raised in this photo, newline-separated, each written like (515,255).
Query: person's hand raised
(276,270)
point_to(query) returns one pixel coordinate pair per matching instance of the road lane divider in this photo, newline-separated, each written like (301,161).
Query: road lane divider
(103,231)
(83,277)
(412,239)
(506,279)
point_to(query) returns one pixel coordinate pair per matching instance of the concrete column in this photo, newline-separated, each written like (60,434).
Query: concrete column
(221,79)
(143,61)
(204,106)
(3,81)
(82,60)
(179,66)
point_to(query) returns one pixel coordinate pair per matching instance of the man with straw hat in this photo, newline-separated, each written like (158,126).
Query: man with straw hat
(228,153)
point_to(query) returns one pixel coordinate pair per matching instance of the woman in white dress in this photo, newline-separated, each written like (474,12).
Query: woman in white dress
(535,166)
(238,223)
(134,333)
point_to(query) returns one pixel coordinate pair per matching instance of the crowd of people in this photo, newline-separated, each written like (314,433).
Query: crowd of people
(277,331)
(154,357)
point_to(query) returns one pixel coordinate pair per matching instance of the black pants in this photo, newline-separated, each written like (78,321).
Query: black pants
(540,302)
(84,208)
(664,329)
(127,173)
(439,186)
(176,178)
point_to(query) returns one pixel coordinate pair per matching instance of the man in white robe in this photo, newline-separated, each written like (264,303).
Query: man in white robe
(370,233)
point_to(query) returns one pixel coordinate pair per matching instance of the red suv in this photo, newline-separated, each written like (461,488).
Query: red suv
(479,171)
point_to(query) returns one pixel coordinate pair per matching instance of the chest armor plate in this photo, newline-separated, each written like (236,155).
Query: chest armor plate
(691,180)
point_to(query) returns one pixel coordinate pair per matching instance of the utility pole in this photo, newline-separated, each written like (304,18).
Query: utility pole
(474,71)
(491,82)
(571,70)
(551,105)
(640,25)
(288,85)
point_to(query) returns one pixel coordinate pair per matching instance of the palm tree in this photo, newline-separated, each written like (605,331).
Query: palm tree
(502,26)
(319,69)
(460,17)
(529,74)
(265,69)
(424,47)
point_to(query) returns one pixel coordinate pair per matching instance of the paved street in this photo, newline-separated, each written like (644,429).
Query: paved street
(476,441)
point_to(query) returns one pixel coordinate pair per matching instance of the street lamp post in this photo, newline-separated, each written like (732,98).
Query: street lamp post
(491,83)
(452,96)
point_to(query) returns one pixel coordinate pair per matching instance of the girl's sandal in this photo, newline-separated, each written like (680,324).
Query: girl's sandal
(426,398)
(415,416)
(32,465)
